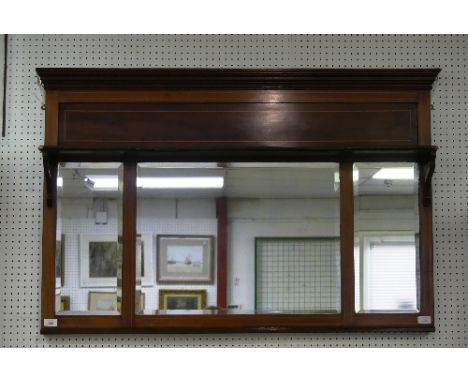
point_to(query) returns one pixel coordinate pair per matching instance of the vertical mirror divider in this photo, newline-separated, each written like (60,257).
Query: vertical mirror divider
(347,242)
(221,263)
(129,201)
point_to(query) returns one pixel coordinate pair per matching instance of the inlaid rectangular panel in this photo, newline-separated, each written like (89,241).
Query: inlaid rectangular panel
(231,125)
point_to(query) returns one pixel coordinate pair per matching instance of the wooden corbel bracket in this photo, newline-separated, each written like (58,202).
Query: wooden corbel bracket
(50,166)
(427,168)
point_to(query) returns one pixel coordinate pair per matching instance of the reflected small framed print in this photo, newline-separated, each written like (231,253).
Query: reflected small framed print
(99,259)
(181,299)
(139,301)
(184,259)
(103,302)
(62,303)
(144,260)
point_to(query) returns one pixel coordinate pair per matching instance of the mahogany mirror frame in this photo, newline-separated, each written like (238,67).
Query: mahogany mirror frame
(222,115)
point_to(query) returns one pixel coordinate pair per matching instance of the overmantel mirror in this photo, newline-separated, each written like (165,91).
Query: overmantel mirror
(210,200)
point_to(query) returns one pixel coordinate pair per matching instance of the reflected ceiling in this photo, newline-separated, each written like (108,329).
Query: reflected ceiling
(241,180)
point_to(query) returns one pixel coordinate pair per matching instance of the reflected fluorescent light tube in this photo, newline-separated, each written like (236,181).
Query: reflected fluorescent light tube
(181,182)
(395,173)
(355,175)
(111,183)
(103,182)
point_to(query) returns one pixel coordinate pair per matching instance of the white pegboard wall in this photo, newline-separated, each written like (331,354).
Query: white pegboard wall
(21,168)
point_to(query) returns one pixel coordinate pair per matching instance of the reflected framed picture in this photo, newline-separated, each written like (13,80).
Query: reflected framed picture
(184,259)
(182,299)
(103,302)
(144,259)
(139,301)
(99,259)
(59,261)
(62,303)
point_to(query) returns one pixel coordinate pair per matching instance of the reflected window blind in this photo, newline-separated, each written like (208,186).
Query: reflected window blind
(390,277)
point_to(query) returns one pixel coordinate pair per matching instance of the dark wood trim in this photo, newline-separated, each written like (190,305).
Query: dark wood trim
(347,241)
(338,154)
(225,79)
(426,250)
(424,118)
(236,96)
(51,118)
(252,329)
(129,211)
(49,229)
(274,323)
(222,244)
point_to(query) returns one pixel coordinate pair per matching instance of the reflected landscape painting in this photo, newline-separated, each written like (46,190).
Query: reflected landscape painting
(175,299)
(102,259)
(185,259)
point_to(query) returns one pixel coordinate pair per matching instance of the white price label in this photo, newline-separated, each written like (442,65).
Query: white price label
(424,320)
(50,322)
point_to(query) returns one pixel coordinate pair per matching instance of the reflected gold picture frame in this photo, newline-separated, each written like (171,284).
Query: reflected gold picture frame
(182,299)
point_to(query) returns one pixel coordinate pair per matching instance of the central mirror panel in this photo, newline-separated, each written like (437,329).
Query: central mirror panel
(282,224)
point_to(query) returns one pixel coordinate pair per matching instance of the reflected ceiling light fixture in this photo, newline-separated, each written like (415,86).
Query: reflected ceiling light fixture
(111,183)
(395,173)
(59,182)
(187,182)
(102,182)
(87,181)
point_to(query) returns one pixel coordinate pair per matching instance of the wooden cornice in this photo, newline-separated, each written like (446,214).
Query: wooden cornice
(241,79)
